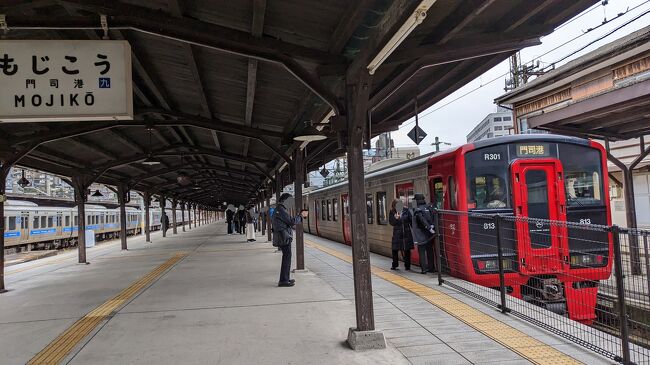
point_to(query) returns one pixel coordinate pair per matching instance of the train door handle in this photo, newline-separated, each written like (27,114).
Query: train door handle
(523,262)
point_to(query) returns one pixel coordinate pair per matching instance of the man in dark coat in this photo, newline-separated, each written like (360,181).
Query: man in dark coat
(423,230)
(402,236)
(283,225)
(164,222)
(241,220)
(229,218)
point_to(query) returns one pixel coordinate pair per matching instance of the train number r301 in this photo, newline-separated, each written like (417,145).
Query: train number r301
(491,156)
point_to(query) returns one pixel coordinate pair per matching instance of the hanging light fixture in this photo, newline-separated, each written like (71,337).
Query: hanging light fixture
(150,160)
(310,134)
(97,193)
(23,182)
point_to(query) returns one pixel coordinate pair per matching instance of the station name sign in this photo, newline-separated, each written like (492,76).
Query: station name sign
(62,80)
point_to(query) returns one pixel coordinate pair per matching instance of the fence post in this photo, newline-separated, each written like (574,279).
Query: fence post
(437,243)
(502,279)
(620,291)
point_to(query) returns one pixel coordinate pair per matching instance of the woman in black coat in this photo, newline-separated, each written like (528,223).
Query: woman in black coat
(402,236)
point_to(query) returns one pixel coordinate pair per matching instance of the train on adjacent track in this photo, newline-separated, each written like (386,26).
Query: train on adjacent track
(30,226)
(548,178)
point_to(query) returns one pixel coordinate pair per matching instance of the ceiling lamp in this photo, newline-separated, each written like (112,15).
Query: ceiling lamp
(23,182)
(310,134)
(97,193)
(150,160)
(183,178)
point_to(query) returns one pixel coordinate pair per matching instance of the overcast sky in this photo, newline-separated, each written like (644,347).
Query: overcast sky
(454,121)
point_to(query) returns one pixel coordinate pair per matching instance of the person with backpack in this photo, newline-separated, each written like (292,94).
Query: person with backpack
(283,225)
(400,218)
(423,233)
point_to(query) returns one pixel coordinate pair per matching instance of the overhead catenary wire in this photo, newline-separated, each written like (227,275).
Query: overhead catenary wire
(546,53)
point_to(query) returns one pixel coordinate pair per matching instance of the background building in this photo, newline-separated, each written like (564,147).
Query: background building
(493,125)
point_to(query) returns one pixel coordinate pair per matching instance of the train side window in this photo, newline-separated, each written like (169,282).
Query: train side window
(35,223)
(67,220)
(59,220)
(369,208)
(12,224)
(43,221)
(50,222)
(76,220)
(453,198)
(323,210)
(329,210)
(381,208)
(335,209)
(438,192)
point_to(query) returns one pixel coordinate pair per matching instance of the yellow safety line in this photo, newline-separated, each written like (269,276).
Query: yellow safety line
(526,346)
(61,346)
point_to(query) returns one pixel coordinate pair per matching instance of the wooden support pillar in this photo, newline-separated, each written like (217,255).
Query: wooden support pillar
(183,216)
(81,183)
(298,167)
(4,171)
(174,203)
(357,91)
(123,197)
(195,218)
(162,201)
(268,216)
(147,220)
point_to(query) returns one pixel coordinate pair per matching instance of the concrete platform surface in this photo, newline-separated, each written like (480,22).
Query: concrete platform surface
(219,304)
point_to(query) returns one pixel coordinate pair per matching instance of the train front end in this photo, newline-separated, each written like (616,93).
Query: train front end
(550,194)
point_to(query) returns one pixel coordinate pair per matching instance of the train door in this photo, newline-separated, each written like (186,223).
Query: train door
(347,232)
(24,225)
(538,192)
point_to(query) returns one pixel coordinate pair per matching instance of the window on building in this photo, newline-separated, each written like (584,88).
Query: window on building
(498,128)
(497,119)
(507,118)
(369,209)
(490,135)
(382,216)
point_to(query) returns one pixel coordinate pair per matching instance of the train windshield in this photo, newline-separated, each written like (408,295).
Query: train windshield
(582,175)
(488,180)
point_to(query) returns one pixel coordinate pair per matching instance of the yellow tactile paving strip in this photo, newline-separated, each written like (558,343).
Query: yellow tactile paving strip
(58,349)
(527,347)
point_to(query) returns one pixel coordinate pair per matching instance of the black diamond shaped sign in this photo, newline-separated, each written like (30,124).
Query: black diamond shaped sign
(324,172)
(420,134)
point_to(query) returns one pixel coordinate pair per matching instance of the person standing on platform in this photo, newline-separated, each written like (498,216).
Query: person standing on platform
(241,217)
(229,220)
(164,222)
(283,225)
(400,218)
(423,233)
(250,225)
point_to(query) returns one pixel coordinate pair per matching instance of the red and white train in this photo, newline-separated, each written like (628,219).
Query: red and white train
(546,177)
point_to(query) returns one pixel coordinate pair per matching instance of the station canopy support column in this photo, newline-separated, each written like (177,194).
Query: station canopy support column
(81,183)
(183,216)
(299,174)
(4,171)
(174,204)
(123,197)
(195,217)
(147,223)
(268,215)
(162,201)
(356,94)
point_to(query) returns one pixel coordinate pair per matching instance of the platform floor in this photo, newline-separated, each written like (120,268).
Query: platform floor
(203,297)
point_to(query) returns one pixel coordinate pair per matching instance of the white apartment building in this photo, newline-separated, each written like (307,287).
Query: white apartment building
(493,125)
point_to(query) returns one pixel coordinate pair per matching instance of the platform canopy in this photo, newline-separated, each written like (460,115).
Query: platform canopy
(222,87)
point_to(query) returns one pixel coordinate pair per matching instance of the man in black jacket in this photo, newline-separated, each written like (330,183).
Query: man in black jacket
(423,233)
(164,222)
(229,218)
(283,225)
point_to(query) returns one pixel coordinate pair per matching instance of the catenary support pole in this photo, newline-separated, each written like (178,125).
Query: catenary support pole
(297,188)
(122,198)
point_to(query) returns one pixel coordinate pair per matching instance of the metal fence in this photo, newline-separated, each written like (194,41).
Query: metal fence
(587,283)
